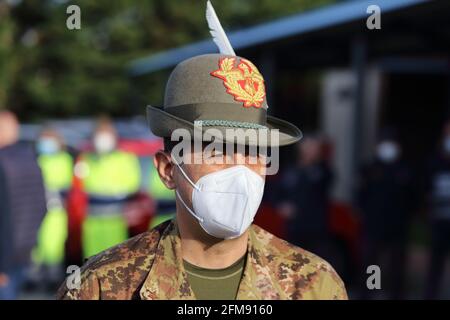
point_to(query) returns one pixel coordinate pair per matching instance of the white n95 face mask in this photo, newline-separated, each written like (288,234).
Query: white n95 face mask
(225,202)
(388,151)
(104,142)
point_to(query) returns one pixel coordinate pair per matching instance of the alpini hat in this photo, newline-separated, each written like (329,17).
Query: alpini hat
(222,92)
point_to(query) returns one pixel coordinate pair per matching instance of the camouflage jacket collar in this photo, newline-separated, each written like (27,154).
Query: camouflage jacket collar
(167,278)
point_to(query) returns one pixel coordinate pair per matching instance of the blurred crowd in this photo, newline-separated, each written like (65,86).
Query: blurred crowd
(394,205)
(60,206)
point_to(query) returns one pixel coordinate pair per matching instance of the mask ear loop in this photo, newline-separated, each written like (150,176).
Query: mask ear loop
(178,194)
(185,175)
(187,208)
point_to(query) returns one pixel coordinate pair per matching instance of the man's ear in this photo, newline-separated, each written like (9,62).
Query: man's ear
(165,167)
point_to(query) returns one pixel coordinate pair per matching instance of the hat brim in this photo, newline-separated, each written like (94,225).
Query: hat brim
(163,123)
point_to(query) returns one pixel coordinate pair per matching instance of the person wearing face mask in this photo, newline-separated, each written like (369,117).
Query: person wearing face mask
(22,206)
(212,249)
(110,178)
(307,207)
(438,196)
(385,197)
(57,170)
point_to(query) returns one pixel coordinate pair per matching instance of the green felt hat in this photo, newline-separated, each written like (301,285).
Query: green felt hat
(220,92)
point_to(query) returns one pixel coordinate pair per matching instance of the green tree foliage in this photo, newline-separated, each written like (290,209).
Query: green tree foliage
(47,70)
(6,53)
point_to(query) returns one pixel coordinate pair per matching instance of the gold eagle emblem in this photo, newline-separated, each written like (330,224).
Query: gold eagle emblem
(243,82)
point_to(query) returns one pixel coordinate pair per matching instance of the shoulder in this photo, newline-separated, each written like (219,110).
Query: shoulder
(116,273)
(300,273)
(19,149)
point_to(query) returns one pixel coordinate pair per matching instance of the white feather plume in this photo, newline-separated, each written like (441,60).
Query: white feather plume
(217,32)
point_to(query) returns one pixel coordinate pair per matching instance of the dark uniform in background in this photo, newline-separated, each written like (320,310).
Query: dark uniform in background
(385,197)
(439,218)
(307,188)
(304,195)
(22,208)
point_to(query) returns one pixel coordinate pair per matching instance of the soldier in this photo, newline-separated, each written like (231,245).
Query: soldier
(111,178)
(386,199)
(307,207)
(57,171)
(211,250)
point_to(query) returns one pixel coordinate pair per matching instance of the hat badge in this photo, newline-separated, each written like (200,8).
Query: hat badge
(243,82)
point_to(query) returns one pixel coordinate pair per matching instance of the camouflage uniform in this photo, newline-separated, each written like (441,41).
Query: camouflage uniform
(150,266)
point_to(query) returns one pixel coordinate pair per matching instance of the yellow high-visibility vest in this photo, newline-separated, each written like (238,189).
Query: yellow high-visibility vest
(112,174)
(57,173)
(57,170)
(115,174)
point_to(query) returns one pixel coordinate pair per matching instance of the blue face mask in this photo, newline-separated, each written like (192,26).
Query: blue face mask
(47,146)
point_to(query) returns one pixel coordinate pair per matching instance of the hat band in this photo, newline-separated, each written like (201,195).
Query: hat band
(228,123)
(221,114)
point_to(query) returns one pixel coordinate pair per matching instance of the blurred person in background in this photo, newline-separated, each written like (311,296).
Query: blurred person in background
(57,169)
(110,178)
(304,194)
(22,206)
(268,216)
(438,190)
(385,198)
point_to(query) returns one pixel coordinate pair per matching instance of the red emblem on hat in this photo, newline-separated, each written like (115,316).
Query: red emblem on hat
(243,82)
